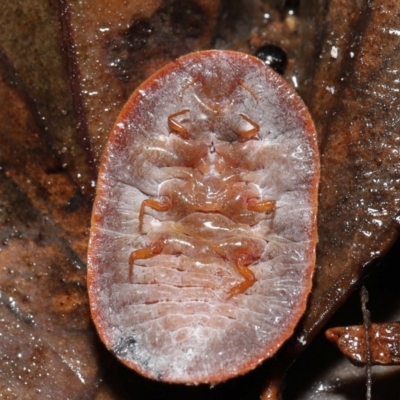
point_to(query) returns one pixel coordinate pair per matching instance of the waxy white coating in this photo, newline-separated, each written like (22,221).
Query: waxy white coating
(173,320)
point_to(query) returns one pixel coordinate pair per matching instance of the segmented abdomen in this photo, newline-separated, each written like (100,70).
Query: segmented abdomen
(204,227)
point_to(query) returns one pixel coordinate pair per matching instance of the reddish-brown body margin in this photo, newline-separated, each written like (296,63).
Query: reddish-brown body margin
(119,140)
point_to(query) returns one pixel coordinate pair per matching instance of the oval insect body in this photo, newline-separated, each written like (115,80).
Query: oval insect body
(203,232)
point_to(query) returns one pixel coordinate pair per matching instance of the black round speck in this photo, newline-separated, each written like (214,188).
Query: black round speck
(274,57)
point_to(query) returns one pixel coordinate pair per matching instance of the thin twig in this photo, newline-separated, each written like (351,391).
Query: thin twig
(367,324)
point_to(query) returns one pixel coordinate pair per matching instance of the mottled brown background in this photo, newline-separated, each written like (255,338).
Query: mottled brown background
(66,69)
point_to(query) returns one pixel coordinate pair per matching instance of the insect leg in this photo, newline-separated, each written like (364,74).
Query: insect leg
(241,264)
(176,126)
(140,254)
(158,205)
(246,135)
(261,206)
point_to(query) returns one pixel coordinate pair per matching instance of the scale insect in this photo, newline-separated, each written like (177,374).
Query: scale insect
(203,236)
